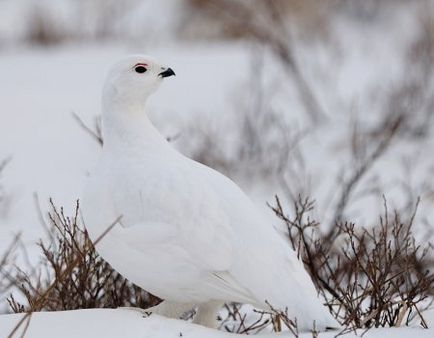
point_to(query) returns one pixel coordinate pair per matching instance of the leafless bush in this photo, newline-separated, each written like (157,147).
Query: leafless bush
(44,26)
(411,96)
(238,319)
(258,141)
(268,23)
(365,152)
(405,111)
(370,277)
(72,275)
(48,23)
(309,16)
(416,97)
(7,259)
(408,101)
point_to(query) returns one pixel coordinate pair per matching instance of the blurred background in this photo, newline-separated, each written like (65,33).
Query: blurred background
(329,99)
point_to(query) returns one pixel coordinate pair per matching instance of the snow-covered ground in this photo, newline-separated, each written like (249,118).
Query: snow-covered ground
(131,324)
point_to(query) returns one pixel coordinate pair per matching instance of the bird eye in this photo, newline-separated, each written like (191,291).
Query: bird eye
(140,69)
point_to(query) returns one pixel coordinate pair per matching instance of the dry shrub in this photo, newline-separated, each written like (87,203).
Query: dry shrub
(266,23)
(7,257)
(371,277)
(258,144)
(415,97)
(47,23)
(44,28)
(6,266)
(251,321)
(254,139)
(411,98)
(71,275)
(308,16)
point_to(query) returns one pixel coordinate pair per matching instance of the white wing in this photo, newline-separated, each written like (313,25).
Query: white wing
(198,236)
(230,236)
(263,262)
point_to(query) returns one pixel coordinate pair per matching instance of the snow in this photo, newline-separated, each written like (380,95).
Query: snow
(51,155)
(127,323)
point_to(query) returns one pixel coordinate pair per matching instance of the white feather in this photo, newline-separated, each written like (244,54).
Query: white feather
(187,233)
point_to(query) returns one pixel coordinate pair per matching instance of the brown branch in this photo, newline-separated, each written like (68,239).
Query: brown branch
(95,134)
(361,171)
(38,304)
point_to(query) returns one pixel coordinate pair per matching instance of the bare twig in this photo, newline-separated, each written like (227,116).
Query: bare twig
(375,277)
(349,186)
(95,134)
(38,303)
(266,26)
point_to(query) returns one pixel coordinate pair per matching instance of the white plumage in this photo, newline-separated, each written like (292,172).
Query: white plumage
(188,234)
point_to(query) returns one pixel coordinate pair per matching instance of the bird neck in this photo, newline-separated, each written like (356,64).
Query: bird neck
(126,127)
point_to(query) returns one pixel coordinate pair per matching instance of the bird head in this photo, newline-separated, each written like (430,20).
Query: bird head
(133,79)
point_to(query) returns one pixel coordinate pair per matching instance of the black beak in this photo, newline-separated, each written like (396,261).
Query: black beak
(167,72)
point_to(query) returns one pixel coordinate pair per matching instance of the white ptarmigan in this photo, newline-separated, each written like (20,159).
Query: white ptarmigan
(187,233)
